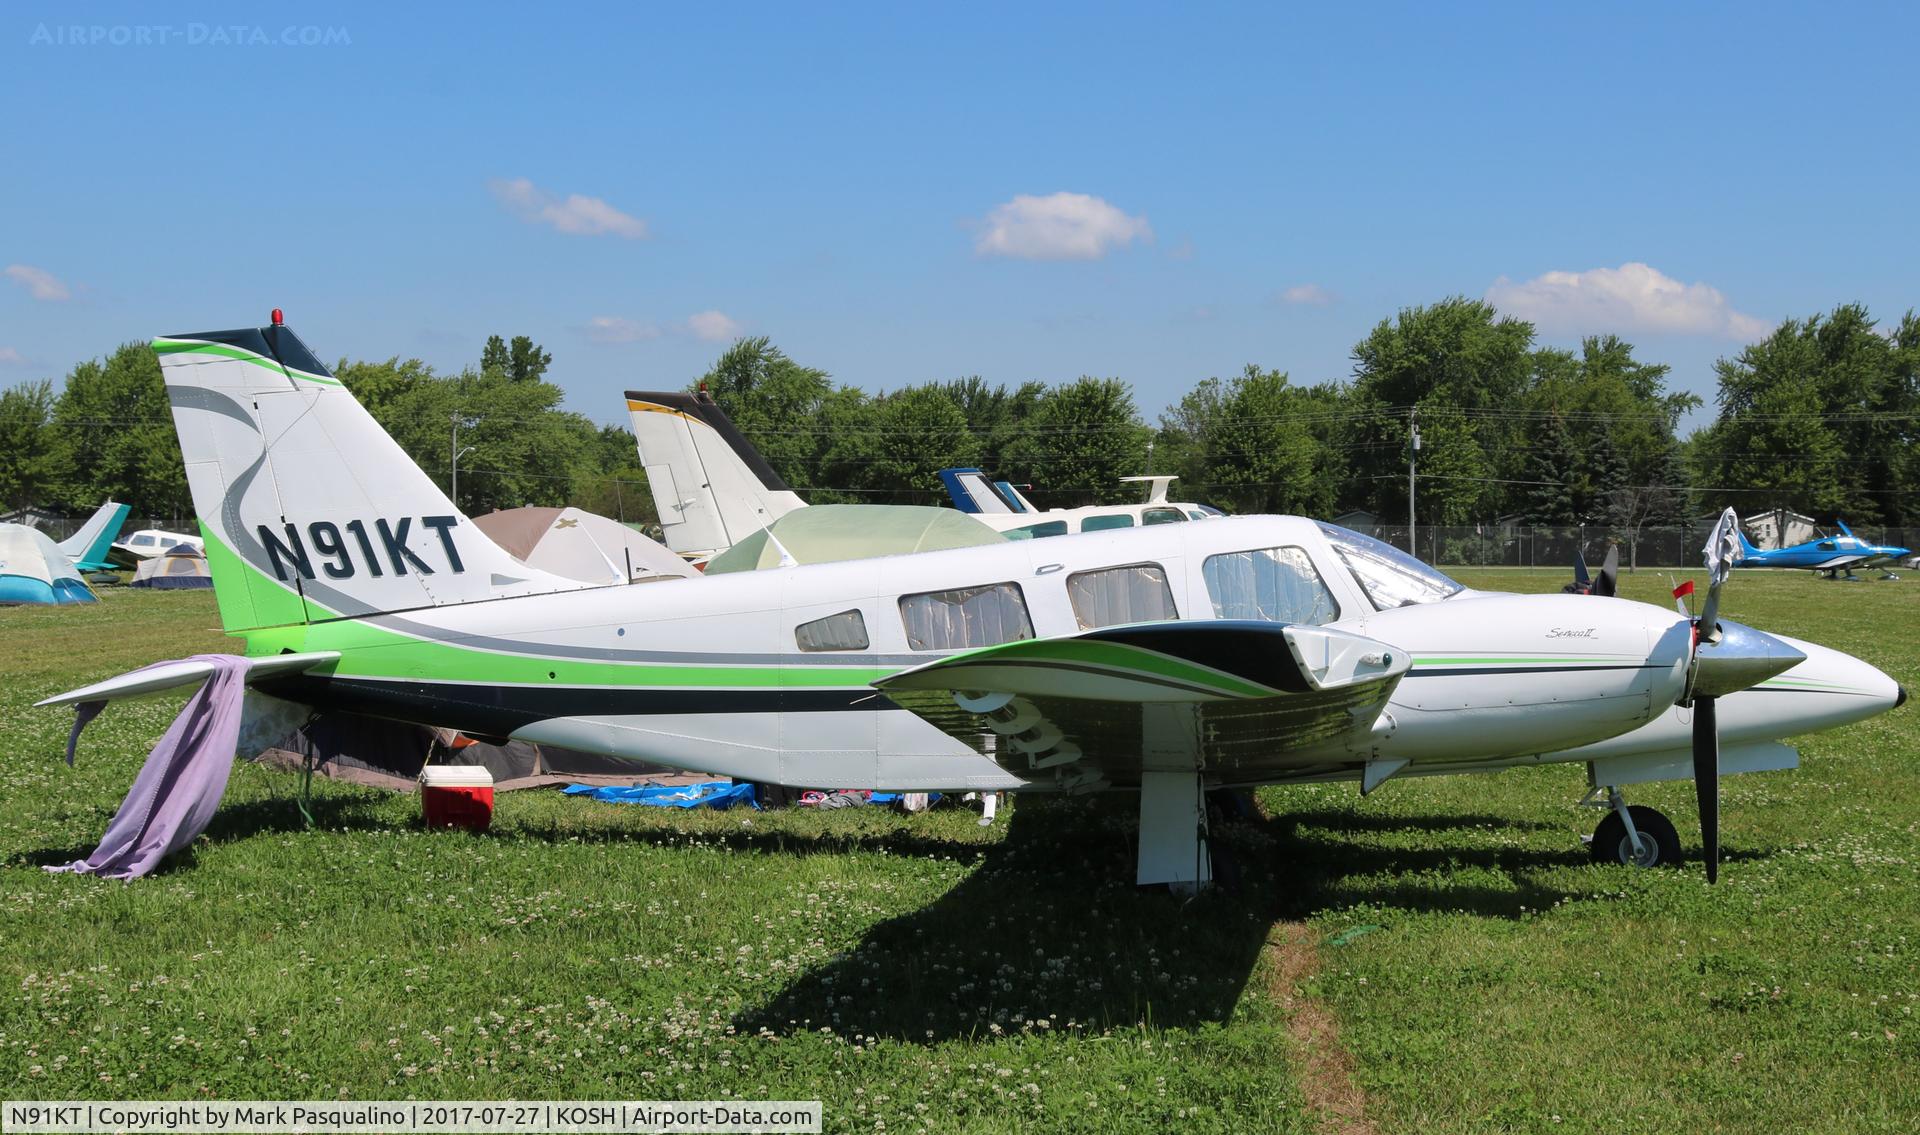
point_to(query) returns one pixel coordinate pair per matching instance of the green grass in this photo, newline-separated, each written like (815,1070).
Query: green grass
(923,973)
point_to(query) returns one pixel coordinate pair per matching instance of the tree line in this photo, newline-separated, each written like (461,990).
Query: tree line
(1820,416)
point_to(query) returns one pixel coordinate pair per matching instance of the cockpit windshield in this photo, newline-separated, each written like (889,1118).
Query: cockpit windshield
(1390,577)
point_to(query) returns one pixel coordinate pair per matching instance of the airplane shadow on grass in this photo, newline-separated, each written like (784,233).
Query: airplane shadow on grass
(1051,935)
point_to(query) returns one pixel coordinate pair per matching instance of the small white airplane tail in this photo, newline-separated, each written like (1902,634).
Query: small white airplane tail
(711,487)
(309,510)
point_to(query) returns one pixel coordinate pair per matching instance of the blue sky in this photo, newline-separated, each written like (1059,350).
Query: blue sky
(901,193)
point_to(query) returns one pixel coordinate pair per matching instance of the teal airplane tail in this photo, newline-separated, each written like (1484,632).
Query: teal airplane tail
(87,548)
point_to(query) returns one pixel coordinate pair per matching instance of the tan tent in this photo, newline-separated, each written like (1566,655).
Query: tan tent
(827,533)
(580,545)
(180,566)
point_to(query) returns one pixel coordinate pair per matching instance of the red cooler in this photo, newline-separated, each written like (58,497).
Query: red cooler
(456,796)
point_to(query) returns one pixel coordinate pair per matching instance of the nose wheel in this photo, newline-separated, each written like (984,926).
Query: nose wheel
(1635,835)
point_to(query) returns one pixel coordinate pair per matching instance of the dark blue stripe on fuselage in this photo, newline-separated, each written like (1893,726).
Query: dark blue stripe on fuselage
(499,710)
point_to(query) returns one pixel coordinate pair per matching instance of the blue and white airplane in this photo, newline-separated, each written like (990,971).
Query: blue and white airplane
(1829,554)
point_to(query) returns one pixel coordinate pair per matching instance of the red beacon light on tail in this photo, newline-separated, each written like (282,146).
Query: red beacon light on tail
(278,319)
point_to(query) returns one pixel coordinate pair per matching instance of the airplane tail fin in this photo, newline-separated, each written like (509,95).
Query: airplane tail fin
(711,487)
(1746,545)
(87,548)
(309,510)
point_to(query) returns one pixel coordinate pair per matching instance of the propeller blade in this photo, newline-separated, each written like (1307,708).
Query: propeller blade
(1609,580)
(1722,552)
(1580,576)
(1706,780)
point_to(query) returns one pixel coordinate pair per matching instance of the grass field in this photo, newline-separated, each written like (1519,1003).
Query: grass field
(925,974)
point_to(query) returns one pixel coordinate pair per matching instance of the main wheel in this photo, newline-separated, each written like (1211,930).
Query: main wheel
(1659,842)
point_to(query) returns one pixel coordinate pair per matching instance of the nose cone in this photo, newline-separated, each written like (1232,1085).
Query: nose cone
(1739,658)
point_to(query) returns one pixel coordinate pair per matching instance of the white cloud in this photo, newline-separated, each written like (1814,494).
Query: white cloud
(11,358)
(39,282)
(573,214)
(1632,297)
(1061,226)
(1310,294)
(714,326)
(618,329)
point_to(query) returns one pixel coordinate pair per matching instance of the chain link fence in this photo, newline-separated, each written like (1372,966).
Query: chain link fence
(1509,545)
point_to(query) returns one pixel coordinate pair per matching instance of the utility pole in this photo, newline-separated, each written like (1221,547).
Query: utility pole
(1413,458)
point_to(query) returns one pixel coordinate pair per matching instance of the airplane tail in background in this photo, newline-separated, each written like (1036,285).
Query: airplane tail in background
(711,487)
(1746,545)
(309,510)
(87,548)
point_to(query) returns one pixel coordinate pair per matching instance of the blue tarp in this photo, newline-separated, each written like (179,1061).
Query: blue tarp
(710,794)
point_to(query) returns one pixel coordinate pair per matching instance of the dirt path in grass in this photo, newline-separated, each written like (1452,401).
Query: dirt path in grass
(1326,1070)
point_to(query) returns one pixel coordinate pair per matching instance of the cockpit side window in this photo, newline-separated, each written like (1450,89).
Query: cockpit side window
(1389,577)
(1273,585)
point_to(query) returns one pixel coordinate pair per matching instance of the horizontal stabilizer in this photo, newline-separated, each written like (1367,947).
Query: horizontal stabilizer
(173,675)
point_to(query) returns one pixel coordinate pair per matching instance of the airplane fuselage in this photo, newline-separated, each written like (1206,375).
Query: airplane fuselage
(711,673)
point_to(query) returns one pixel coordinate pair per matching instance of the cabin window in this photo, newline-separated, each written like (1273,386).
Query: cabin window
(1111,596)
(1163,516)
(844,631)
(1111,520)
(1271,585)
(1036,531)
(969,617)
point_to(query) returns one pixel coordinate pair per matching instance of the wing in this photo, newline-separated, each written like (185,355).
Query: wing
(1241,701)
(187,672)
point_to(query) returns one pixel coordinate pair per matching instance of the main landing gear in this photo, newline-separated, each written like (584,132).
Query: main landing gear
(1635,835)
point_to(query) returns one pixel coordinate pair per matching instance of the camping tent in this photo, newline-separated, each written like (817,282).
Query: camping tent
(827,533)
(580,545)
(32,570)
(388,754)
(180,566)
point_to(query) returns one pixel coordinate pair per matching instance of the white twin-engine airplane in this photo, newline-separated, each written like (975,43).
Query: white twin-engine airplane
(1162,660)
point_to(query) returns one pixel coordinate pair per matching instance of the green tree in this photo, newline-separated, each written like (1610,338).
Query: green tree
(1261,455)
(777,403)
(520,361)
(29,453)
(1086,435)
(1820,416)
(1463,365)
(902,441)
(116,438)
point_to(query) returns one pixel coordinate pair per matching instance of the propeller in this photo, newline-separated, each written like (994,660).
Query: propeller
(1608,582)
(1582,582)
(1727,657)
(1706,780)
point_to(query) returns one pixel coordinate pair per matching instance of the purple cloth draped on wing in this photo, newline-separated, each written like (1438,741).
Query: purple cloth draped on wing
(179,788)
